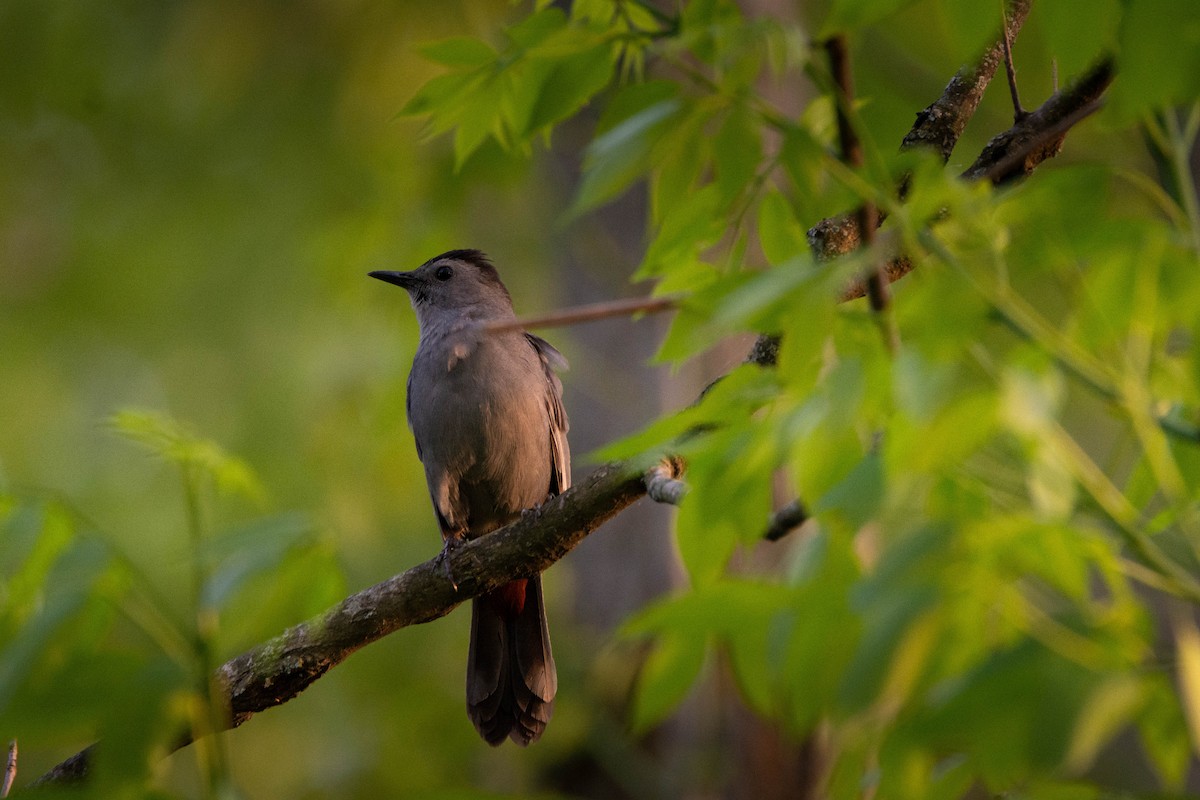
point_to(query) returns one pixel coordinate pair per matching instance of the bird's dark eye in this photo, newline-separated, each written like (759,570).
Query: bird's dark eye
(443,273)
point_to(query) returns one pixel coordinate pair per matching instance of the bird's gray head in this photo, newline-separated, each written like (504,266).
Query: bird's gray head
(455,287)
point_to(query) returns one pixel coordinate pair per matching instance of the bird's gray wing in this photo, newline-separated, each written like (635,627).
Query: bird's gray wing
(560,451)
(408,401)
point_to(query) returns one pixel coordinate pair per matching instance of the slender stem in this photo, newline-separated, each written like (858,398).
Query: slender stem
(208,720)
(1181,138)
(1117,507)
(1019,113)
(878,286)
(587,313)
(10,769)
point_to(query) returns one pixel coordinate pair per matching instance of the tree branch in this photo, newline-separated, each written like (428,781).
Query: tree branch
(942,122)
(277,670)
(937,127)
(1039,134)
(867,217)
(1013,154)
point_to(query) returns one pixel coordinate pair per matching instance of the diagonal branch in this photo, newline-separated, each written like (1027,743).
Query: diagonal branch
(277,670)
(942,122)
(1013,154)
(938,127)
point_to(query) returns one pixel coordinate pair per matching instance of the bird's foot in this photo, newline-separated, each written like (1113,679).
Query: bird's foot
(449,545)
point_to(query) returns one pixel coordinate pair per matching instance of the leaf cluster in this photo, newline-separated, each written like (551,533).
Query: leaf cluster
(993,504)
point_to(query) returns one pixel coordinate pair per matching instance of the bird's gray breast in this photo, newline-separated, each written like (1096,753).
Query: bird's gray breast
(478,413)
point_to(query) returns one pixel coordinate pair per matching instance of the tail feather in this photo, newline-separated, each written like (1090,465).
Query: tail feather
(511,678)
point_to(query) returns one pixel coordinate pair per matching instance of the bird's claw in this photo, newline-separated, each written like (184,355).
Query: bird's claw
(449,545)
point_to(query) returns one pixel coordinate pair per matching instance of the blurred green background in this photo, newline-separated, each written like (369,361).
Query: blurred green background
(191,194)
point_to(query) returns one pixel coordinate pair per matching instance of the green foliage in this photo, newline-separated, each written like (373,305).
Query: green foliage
(992,505)
(985,501)
(71,602)
(172,442)
(546,70)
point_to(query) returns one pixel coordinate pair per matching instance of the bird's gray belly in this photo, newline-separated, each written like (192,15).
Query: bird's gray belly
(491,439)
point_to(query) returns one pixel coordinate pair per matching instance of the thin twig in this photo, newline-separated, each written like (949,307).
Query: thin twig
(1039,136)
(868,213)
(587,313)
(10,769)
(786,520)
(1019,156)
(1019,113)
(839,67)
(941,123)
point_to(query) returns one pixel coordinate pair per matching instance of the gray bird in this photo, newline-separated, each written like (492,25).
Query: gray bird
(487,415)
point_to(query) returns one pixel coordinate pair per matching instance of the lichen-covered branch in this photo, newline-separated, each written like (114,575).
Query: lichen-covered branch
(277,670)
(1039,135)
(1013,154)
(942,122)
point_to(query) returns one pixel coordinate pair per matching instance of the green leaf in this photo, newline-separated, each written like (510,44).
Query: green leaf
(1110,708)
(1159,57)
(825,632)
(846,16)
(781,236)
(728,505)
(1031,699)
(537,27)
(458,51)
(443,98)
(172,441)
(1164,732)
(571,83)
(682,162)
(665,678)
(737,153)
(621,154)
(33,537)
(758,302)
(687,228)
(1187,652)
(741,613)
(858,496)
(239,555)
(71,585)
(887,628)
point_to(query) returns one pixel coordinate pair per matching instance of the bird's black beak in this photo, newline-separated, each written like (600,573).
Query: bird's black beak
(406,280)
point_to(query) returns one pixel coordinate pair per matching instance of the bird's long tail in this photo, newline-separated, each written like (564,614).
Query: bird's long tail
(511,680)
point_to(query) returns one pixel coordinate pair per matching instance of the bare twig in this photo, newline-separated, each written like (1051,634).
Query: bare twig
(587,313)
(868,213)
(1012,154)
(940,125)
(663,484)
(10,769)
(786,520)
(843,80)
(1039,136)
(1010,69)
